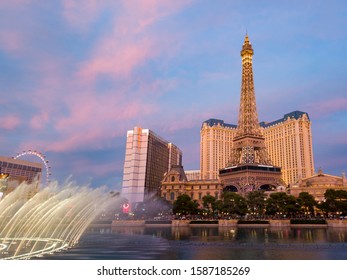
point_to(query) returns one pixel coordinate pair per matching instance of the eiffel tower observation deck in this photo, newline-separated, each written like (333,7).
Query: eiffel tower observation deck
(250,167)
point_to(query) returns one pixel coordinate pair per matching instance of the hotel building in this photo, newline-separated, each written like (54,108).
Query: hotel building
(147,158)
(216,143)
(288,141)
(18,171)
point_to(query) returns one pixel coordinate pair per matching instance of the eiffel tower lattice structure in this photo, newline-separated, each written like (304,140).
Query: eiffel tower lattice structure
(250,167)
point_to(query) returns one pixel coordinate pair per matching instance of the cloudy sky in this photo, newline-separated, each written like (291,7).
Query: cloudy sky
(76,75)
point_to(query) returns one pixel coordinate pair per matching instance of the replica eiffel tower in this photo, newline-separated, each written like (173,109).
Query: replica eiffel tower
(250,167)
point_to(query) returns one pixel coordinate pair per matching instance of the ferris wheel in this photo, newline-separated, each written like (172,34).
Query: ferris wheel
(41,157)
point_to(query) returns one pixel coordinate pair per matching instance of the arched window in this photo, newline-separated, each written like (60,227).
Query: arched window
(173,179)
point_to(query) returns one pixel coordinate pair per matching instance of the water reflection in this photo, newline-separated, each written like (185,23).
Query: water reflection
(210,243)
(242,235)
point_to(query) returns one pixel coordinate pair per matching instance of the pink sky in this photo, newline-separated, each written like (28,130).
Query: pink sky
(76,77)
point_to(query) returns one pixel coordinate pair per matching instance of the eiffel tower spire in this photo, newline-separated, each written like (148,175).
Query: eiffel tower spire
(250,167)
(249,142)
(248,117)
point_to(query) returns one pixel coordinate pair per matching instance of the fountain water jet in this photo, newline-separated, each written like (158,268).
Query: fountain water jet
(53,219)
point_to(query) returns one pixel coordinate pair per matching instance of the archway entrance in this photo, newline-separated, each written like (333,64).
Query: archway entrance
(267,188)
(230,188)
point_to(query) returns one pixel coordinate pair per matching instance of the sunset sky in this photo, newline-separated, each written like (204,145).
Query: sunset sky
(76,75)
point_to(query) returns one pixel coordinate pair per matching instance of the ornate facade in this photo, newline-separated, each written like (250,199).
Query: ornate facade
(318,184)
(175,183)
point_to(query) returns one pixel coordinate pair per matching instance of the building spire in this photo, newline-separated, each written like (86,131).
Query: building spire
(250,167)
(248,117)
(249,142)
(246,39)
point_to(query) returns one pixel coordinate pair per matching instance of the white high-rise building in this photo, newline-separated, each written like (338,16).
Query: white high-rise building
(147,158)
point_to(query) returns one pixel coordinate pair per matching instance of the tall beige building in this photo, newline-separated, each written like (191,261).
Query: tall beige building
(288,141)
(216,143)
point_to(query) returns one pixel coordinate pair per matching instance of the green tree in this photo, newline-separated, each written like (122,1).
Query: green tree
(307,202)
(185,205)
(209,201)
(218,206)
(234,203)
(335,201)
(282,203)
(256,202)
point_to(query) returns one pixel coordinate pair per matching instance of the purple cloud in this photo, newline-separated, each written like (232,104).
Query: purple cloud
(74,78)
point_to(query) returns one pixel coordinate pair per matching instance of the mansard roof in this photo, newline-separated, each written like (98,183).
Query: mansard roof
(213,122)
(292,115)
(177,171)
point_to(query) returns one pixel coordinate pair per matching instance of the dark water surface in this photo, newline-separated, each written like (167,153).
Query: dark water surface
(209,243)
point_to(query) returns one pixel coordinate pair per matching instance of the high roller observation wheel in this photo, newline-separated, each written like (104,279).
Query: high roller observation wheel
(41,157)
